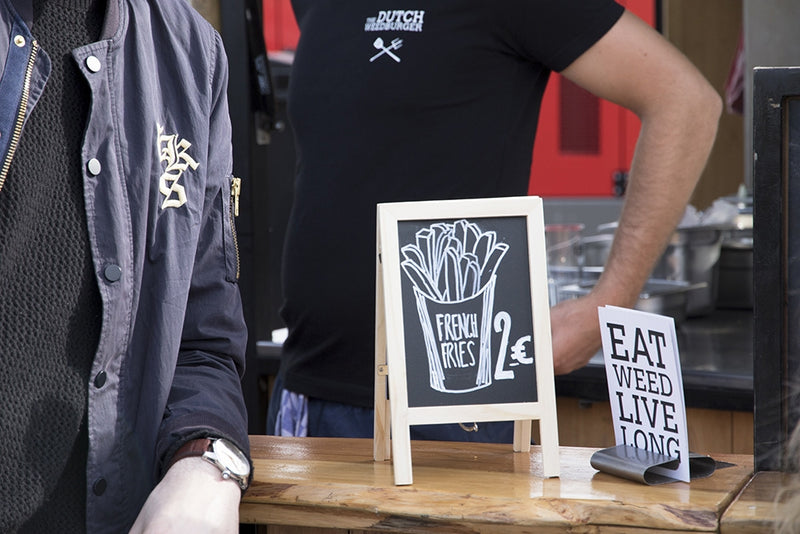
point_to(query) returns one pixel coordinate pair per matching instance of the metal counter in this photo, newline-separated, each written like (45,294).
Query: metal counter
(716,360)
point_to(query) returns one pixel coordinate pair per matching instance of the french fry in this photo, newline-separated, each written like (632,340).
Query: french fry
(440,232)
(483,247)
(459,230)
(490,266)
(471,237)
(413,254)
(470,275)
(452,274)
(425,244)
(420,280)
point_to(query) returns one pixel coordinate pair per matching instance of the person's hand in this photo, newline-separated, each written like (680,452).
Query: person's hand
(192,497)
(575,330)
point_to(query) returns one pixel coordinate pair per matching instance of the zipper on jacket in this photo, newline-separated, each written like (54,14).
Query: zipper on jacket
(23,107)
(236,190)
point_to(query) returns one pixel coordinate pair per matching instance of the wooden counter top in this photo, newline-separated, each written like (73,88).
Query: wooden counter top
(754,510)
(471,487)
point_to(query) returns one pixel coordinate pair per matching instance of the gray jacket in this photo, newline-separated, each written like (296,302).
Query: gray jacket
(158,192)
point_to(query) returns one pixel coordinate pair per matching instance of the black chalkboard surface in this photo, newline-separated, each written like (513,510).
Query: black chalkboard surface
(462,322)
(467,317)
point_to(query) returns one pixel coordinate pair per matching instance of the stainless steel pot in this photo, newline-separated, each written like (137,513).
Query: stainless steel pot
(692,256)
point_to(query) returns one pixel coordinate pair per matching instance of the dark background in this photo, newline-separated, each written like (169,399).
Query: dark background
(267,172)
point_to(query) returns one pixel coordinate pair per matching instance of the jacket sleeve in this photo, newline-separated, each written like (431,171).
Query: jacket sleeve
(206,396)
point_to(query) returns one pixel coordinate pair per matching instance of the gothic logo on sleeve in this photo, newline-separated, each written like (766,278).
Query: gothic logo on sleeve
(173,153)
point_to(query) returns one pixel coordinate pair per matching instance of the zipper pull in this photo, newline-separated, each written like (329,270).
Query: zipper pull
(236,190)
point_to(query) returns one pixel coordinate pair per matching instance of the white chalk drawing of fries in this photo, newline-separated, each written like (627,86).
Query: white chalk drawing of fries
(454,264)
(468,256)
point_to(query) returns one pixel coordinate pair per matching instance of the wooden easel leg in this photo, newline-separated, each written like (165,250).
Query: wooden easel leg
(381,438)
(550,454)
(522,435)
(382,443)
(401,449)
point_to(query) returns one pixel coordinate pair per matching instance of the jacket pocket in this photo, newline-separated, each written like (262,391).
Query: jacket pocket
(230,199)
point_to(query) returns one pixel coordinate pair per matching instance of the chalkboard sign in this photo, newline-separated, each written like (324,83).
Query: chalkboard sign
(462,322)
(467,319)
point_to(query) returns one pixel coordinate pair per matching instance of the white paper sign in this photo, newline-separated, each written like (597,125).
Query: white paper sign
(645,385)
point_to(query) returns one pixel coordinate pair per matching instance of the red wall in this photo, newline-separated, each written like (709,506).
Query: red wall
(280,28)
(582,141)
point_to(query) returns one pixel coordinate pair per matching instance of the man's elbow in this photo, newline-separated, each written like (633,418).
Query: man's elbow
(712,101)
(704,106)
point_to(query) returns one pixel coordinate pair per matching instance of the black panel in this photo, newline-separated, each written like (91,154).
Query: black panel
(259,205)
(776,253)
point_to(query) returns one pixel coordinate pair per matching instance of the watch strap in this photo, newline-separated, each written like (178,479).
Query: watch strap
(194,447)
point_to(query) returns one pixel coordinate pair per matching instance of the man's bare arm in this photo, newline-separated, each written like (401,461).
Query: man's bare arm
(635,67)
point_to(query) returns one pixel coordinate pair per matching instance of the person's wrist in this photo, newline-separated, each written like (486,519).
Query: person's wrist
(221,454)
(197,471)
(611,291)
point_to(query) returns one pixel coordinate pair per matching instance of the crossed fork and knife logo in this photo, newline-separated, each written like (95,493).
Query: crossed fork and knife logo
(394,45)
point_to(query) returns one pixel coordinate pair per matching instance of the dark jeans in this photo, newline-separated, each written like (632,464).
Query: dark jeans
(334,419)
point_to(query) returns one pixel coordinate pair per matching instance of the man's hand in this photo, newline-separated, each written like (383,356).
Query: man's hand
(192,497)
(576,334)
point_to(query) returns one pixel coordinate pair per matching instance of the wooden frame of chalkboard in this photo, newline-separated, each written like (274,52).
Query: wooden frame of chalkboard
(462,323)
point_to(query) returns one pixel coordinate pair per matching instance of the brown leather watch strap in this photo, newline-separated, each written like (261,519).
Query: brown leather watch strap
(195,447)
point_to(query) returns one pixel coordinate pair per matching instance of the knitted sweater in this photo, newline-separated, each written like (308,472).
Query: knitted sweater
(49,302)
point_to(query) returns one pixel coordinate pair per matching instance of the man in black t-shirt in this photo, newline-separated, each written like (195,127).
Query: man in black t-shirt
(401,101)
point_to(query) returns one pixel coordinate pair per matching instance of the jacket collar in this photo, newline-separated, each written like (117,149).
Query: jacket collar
(25,10)
(110,25)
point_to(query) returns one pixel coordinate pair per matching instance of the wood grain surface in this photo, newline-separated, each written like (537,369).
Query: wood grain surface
(334,483)
(755,509)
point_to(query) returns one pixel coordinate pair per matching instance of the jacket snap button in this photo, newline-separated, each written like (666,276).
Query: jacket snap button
(19,41)
(93,64)
(94,166)
(112,273)
(100,379)
(99,486)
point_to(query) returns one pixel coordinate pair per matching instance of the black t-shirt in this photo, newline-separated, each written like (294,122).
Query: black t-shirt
(400,101)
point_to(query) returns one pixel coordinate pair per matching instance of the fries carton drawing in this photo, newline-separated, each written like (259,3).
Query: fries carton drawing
(452,268)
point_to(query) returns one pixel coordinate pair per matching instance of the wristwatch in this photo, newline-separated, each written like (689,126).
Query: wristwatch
(223,454)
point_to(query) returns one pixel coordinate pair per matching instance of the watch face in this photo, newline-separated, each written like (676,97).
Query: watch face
(231,457)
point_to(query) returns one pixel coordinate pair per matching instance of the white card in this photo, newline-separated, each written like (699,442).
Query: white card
(645,385)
